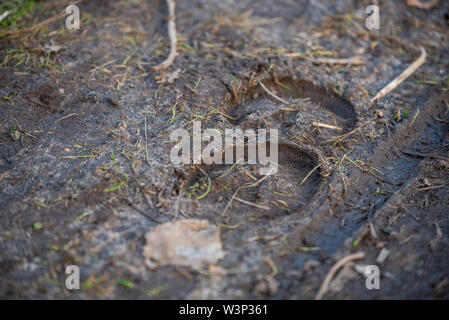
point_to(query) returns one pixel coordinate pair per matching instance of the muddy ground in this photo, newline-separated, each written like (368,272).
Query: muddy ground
(85,170)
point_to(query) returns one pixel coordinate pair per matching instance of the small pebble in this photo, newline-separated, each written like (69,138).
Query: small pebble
(383,255)
(113,101)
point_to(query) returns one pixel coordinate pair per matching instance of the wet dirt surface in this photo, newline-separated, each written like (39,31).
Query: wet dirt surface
(85,167)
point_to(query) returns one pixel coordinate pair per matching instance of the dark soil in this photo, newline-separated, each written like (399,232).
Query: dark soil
(76,186)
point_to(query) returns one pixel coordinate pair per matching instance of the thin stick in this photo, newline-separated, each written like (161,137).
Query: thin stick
(252,204)
(429,188)
(92,71)
(230,201)
(146,143)
(333,271)
(65,117)
(344,136)
(352,61)
(227,116)
(419,23)
(261,238)
(403,43)
(414,118)
(259,181)
(309,174)
(356,60)
(172,35)
(324,125)
(422,155)
(404,75)
(140,211)
(272,94)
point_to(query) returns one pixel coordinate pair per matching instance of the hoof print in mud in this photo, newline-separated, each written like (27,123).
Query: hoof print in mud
(306,105)
(287,191)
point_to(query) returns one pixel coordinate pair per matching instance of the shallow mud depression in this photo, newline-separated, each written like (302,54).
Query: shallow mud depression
(85,171)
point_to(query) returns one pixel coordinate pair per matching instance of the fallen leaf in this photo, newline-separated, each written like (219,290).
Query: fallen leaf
(188,243)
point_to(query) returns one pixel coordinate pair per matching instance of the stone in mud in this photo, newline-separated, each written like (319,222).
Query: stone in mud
(188,243)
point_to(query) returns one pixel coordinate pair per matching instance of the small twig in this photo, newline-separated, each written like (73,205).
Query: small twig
(149,202)
(227,226)
(78,157)
(65,117)
(252,204)
(438,229)
(230,201)
(419,23)
(22,130)
(142,75)
(122,82)
(324,125)
(441,120)
(172,35)
(429,188)
(422,155)
(404,75)
(356,60)
(272,94)
(403,43)
(309,174)
(261,238)
(140,211)
(259,181)
(35,102)
(351,61)
(333,271)
(146,143)
(29,135)
(226,115)
(414,118)
(372,230)
(344,136)
(388,128)
(92,71)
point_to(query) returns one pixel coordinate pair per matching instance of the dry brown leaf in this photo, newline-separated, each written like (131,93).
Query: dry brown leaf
(186,243)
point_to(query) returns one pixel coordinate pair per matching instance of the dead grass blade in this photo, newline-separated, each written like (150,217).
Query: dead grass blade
(404,75)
